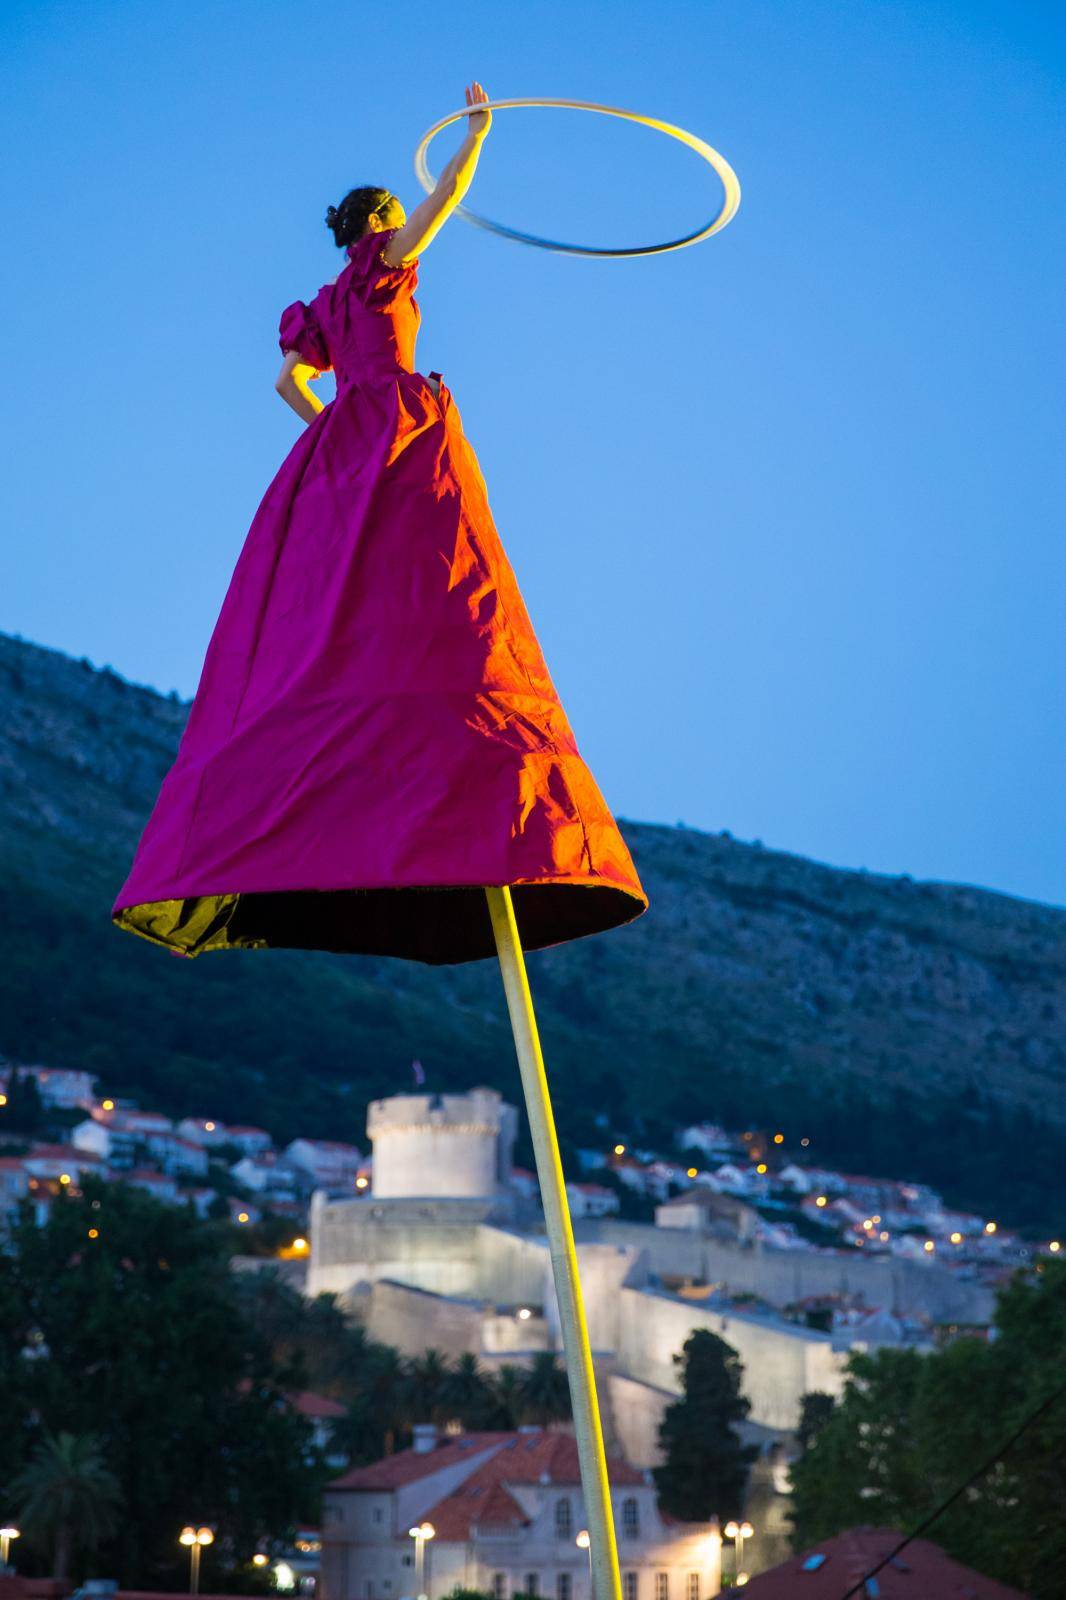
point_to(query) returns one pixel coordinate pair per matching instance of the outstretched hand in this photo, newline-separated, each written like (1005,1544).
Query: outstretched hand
(479,122)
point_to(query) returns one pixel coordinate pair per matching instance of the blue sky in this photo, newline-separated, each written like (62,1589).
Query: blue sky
(786,508)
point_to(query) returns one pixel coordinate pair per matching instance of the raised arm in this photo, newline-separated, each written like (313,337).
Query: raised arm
(427,218)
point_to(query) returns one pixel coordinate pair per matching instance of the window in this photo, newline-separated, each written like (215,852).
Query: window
(630,1519)
(692,1586)
(532,1585)
(379,1515)
(564,1587)
(499,1586)
(662,1586)
(564,1520)
(629,1586)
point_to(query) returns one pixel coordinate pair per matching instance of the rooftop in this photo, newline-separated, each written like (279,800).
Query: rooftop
(921,1571)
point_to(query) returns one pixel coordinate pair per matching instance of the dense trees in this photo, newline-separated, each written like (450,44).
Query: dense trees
(911,1427)
(386,1395)
(705,1466)
(124,1355)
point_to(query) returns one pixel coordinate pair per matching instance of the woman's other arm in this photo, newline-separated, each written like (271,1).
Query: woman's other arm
(292,385)
(427,219)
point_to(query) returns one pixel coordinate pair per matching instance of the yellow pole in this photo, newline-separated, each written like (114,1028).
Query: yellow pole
(603,1551)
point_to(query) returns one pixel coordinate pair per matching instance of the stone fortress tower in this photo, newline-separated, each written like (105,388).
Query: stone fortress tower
(442,1146)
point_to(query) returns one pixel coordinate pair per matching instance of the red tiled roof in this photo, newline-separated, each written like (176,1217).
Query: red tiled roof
(516,1458)
(920,1572)
(407,1466)
(487,1506)
(533,1457)
(313,1405)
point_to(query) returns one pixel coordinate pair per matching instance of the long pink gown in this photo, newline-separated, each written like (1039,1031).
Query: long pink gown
(375,737)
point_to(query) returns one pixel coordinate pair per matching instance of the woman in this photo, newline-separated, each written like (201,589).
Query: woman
(375,736)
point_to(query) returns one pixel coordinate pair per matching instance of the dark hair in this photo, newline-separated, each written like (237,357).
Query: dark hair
(348,220)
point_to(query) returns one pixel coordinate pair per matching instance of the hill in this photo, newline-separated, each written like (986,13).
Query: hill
(908,1028)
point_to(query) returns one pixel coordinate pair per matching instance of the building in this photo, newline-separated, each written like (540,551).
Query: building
(14,1185)
(447,1146)
(500,1513)
(121,1138)
(57,1086)
(62,1161)
(178,1155)
(264,1174)
(723,1215)
(921,1571)
(470,1272)
(591,1200)
(324,1164)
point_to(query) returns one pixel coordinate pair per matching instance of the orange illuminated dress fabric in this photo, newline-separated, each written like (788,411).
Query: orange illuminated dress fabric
(375,737)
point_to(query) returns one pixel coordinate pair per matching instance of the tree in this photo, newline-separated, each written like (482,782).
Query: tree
(911,1428)
(815,1410)
(23,1111)
(509,1391)
(132,1315)
(469,1395)
(67,1497)
(545,1393)
(705,1466)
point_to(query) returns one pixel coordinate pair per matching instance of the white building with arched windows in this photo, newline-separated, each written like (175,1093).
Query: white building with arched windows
(501,1513)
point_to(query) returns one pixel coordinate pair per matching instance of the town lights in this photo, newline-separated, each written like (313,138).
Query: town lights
(583,1541)
(421,1536)
(524,1313)
(822,1200)
(196,1539)
(619,1149)
(6,1536)
(990,1227)
(259,1559)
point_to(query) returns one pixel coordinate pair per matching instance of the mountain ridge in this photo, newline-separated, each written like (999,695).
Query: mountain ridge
(760,984)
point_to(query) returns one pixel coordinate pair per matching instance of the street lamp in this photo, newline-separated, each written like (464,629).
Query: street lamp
(421,1536)
(195,1538)
(738,1532)
(583,1542)
(6,1536)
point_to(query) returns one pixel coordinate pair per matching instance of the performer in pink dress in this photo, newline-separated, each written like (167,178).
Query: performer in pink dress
(375,737)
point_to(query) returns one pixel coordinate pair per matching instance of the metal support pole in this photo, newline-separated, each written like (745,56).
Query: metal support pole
(603,1551)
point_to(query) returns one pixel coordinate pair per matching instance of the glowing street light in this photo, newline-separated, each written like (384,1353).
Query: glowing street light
(196,1539)
(6,1536)
(421,1536)
(738,1532)
(259,1559)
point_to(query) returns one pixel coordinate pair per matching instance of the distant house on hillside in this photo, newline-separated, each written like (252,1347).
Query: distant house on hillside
(327,1164)
(724,1215)
(68,1087)
(591,1200)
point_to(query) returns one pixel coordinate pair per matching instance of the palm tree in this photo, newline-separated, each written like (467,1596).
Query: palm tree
(468,1394)
(508,1391)
(427,1384)
(67,1495)
(545,1391)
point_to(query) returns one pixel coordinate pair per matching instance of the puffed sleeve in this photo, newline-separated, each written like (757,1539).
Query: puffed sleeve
(299,330)
(378,285)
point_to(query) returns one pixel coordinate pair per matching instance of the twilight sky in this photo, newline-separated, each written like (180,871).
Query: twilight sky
(786,508)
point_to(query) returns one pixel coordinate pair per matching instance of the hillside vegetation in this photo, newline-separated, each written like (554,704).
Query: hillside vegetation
(908,1028)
